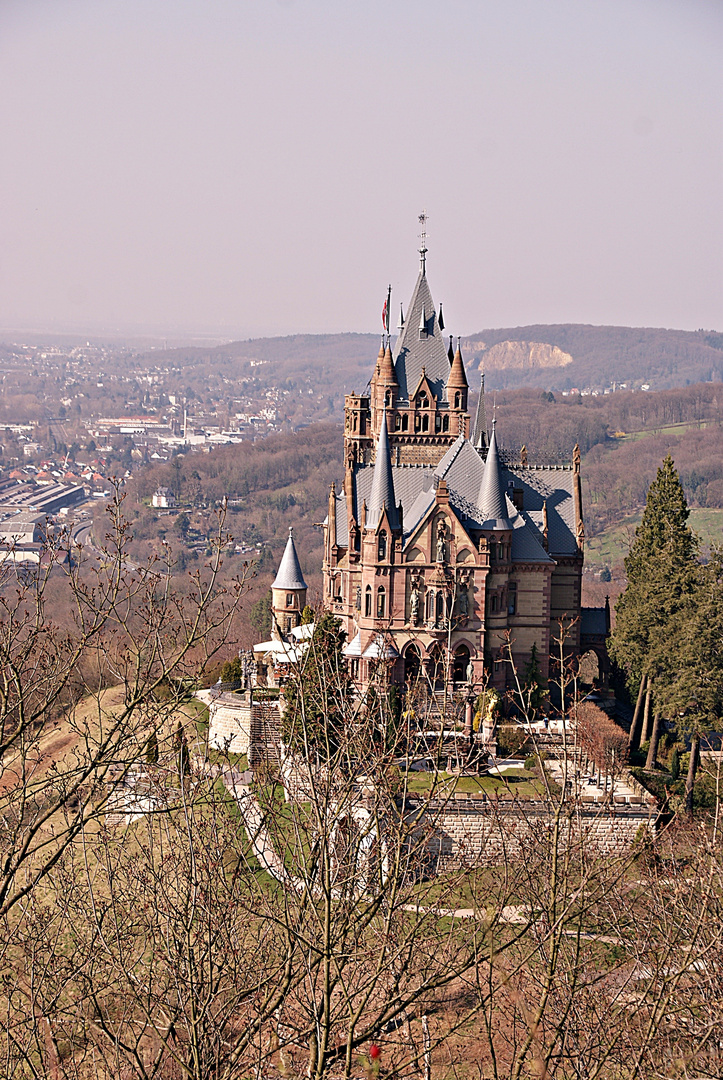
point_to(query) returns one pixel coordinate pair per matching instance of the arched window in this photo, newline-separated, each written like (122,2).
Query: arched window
(440,605)
(368,601)
(382,546)
(458,400)
(397,422)
(430,605)
(381,602)
(422,401)
(459,664)
(388,399)
(412,664)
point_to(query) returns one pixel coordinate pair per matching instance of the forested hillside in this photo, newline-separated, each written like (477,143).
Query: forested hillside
(339,363)
(284,480)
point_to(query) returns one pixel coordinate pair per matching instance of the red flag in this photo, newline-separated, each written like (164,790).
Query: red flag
(385,317)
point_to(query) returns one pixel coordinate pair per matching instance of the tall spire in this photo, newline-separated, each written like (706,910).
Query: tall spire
(423,246)
(289,575)
(491,500)
(479,437)
(382,495)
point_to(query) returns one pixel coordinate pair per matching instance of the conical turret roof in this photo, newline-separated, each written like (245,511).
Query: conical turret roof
(492,501)
(289,575)
(383,483)
(457,375)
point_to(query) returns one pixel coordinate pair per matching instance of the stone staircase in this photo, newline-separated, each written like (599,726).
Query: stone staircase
(265,740)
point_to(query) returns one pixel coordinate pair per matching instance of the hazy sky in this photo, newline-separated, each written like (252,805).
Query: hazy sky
(240,167)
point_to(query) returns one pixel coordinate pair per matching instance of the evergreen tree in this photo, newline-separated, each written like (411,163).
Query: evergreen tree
(319,693)
(260,615)
(661,567)
(691,687)
(152,749)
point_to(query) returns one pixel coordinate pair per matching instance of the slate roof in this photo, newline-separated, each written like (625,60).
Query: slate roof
(289,575)
(412,352)
(382,494)
(463,469)
(491,499)
(593,622)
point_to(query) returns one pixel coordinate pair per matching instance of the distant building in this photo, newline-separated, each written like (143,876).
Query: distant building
(163,497)
(440,548)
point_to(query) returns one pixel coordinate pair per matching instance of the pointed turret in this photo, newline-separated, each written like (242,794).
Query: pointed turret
(382,496)
(491,500)
(457,385)
(289,575)
(479,437)
(288,592)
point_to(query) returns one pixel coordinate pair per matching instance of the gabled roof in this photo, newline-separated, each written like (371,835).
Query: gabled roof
(382,494)
(289,575)
(414,351)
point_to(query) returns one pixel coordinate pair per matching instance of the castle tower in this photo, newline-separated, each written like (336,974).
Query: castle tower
(288,593)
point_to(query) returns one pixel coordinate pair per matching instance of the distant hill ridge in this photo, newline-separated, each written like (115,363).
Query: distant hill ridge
(556,357)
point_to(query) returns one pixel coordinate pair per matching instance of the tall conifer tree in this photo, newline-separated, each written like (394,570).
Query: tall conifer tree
(661,567)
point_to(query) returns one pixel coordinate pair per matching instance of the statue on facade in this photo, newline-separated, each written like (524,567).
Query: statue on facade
(463,600)
(441,546)
(358,597)
(414,604)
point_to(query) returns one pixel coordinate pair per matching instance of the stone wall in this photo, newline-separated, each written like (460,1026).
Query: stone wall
(230,722)
(464,830)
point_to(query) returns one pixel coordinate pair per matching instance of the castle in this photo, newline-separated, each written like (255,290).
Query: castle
(441,555)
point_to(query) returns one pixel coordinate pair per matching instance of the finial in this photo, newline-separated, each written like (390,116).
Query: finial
(440,320)
(423,238)
(291,531)
(401,316)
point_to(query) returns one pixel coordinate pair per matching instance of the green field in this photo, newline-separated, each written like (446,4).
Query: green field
(688,425)
(611,546)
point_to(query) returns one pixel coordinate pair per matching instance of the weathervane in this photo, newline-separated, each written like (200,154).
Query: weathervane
(423,238)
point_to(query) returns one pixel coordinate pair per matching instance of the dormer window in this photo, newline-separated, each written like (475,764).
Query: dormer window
(422,401)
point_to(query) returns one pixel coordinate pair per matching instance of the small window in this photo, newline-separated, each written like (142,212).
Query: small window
(512,598)
(382,546)
(405,422)
(445,424)
(422,401)
(493,551)
(388,399)
(368,601)
(289,599)
(458,400)
(437,422)
(381,602)
(493,603)
(397,422)
(425,422)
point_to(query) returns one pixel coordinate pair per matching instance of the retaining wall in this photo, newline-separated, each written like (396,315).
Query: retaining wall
(464,831)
